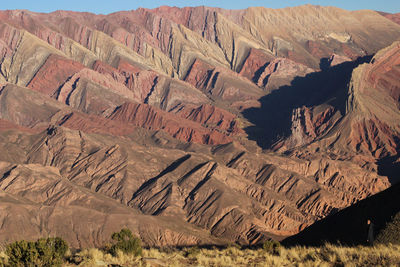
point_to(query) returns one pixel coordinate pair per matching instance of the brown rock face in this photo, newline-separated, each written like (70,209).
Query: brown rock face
(213,117)
(193,125)
(220,84)
(254,63)
(383,74)
(94,124)
(278,72)
(150,118)
(53,74)
(374,99)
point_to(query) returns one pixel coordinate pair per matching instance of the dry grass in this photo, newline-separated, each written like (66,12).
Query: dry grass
(3,259)
(96,257)
(328,255)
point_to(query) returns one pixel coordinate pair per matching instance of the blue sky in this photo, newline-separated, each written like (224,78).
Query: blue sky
(109,6)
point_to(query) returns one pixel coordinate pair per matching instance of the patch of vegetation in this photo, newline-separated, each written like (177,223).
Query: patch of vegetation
(125,242)
(272,247)
(192,251)
(390,234)
(43,252)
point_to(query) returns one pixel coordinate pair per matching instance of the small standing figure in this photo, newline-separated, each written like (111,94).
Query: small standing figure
(370,238)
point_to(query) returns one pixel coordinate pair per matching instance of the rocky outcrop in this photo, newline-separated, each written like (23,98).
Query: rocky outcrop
(306,125)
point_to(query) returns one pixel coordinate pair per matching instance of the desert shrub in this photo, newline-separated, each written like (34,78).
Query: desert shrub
(51,250)
(192,251)
(22,253)
(43,252)
(272,246)
(125,242)
(391,232)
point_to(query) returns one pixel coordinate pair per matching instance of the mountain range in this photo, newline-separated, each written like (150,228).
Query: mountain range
(194,126)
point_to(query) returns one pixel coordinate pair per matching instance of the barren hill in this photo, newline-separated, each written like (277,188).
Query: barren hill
(193,125)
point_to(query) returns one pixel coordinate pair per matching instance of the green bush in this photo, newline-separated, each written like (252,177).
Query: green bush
(126,242)
(43,252)
(391,232)
(272,246)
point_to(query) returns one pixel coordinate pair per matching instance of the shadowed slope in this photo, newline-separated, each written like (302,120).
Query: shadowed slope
(349,226)
(273,121)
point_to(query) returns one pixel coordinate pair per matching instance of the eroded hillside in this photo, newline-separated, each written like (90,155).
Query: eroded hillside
(193,125)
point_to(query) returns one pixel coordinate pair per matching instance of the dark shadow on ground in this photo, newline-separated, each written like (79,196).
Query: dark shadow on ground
(349,226)
(390,167)
(272,121)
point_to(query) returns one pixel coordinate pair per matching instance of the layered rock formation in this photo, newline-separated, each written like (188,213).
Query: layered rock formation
(370,122)
(236,195)
(194,125)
